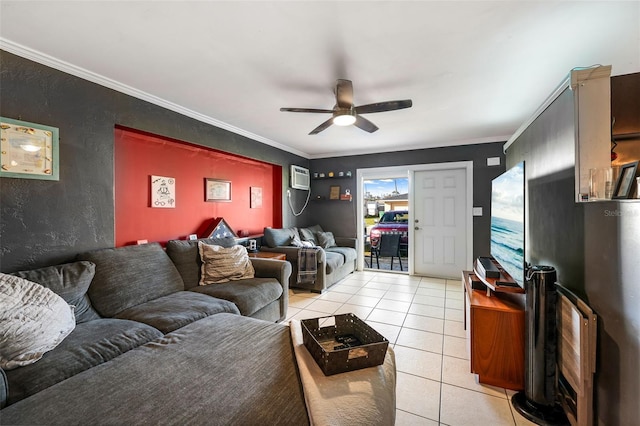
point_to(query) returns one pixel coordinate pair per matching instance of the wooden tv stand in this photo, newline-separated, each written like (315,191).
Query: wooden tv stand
(504,284)
(495,333)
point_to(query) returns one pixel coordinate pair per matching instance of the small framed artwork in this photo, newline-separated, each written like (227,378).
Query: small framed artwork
(28,150)
(622,189)
(216,190)
(163,192)
(334,192)
(255,201)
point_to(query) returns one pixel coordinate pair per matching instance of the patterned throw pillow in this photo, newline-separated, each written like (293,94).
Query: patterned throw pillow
(33,321)
(221,265)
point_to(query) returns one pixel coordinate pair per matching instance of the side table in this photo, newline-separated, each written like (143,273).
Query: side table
(268,255)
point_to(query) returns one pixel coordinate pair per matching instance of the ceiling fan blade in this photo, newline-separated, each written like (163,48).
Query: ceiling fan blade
(365,124)
(322,127)
(306,110)
(383,106)
(344,94)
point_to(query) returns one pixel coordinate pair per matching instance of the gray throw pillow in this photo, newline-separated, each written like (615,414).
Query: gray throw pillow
(70,281)
(326,239)
(309,233)
(274,237)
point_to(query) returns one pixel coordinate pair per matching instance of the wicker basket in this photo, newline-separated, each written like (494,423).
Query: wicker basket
(331,355)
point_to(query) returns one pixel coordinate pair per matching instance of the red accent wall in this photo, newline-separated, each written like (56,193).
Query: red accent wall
(139,155)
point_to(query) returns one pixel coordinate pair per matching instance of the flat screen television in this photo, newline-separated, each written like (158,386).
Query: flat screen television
(507,222)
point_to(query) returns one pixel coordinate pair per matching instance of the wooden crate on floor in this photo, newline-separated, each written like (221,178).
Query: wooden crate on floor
(577,333)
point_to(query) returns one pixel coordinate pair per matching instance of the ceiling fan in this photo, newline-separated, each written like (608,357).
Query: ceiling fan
(344,113)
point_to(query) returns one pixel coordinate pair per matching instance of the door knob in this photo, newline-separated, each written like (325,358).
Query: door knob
(417,228)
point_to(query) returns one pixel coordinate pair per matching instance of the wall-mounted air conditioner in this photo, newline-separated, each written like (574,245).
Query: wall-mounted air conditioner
(299,177)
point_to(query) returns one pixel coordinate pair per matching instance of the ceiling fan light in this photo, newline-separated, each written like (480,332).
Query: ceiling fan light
(30,147)
(346,119)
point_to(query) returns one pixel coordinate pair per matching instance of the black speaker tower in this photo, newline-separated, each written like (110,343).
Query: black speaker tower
(538,400)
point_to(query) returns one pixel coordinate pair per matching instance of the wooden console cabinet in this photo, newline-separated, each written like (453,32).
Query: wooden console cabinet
(495,333)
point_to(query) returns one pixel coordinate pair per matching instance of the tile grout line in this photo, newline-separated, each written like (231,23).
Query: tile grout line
(443,355)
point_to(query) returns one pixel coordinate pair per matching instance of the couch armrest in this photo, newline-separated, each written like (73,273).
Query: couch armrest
(281,271)
(347,242)
(269,268)
(4,389)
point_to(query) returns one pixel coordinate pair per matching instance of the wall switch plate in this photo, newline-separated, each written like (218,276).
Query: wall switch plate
(477,211)
(493,161)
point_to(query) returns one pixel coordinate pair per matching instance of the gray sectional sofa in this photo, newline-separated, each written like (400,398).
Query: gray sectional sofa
(336,256)
(151,346)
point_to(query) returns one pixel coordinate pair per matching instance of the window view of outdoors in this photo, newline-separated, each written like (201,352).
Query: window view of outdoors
(386,212)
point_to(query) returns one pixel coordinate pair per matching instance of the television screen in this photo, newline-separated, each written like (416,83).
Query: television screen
(507,222)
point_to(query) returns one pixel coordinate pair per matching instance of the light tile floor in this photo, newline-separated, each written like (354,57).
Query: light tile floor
(422,318)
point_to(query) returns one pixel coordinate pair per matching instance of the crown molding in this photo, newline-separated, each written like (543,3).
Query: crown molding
(60,65)
(475,141)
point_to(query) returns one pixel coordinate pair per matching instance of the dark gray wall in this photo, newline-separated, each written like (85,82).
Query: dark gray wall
(594,248)
(46,222)
(340,217)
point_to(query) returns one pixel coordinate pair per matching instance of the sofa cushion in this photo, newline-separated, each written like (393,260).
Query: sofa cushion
(334,261)
(176,310)
(70,281)
(131,275)
(89,344)
(186,257)
(222,370)
(248,295)
(221,265)
(274,237)
(4,389)
(325,239)
(33,321)
(309,233)
(349,254)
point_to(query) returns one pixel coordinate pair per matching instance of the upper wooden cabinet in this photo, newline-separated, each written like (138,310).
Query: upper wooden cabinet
(592,105)
(575,123)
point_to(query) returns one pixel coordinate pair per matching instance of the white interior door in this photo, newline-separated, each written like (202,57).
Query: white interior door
(440,222)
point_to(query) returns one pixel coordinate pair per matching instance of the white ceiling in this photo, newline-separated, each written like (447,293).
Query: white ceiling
(475,70)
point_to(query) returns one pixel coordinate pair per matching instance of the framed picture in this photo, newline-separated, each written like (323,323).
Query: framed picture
(163,192)
(28,150)
(622,190)
(255,202)
(216,190)
(334,192)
